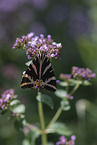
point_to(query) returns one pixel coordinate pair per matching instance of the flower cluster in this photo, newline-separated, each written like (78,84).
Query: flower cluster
(5,99)
(82,73)
(34,45)
(63,140)
(69,97)
(65,77)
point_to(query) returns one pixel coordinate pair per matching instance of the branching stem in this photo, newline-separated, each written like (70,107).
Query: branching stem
(55,117)
(42,122)
(74,89)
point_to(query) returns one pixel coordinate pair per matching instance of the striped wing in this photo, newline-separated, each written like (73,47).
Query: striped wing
(39,74)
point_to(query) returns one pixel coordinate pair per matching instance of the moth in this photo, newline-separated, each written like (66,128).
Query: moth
(39,74)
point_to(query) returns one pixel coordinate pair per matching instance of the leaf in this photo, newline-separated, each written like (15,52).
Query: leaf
(60,93)
(18,124)
(86,83)
(65,105)
(25,142)
(32,136)
(28,63)
(14,102)
(19,109)
(60,128)
(46,100)
(74,82)
(64,84)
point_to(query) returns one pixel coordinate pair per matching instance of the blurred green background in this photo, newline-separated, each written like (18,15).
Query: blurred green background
(74,24)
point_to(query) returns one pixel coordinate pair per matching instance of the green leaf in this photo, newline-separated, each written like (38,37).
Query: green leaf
(60,93)
(86,83)
(74,82)
(46,100)
(64,84)
(32,136)
(28,63)
(65,105)
(15,96)
(18,124)
(19,109)
(60,128)
(14,102)
(25,142)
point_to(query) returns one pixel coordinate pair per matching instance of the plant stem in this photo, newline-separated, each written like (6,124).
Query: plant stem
(32,127)
(67,87)
(44,136)
(74,89)
(55,117)
(60,109)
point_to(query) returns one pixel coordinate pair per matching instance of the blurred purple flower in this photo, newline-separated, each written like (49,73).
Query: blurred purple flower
(38,28)
(2,32)
(26,15)
(79,23)
(40,4)
(10,5)
(57,14)
(10,71)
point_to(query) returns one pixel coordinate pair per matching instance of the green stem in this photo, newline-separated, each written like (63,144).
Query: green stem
(44,136)
(75,88)
(67,87)
(55,117)
(32,127)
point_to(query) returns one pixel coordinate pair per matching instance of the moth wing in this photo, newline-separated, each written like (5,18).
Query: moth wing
(31,74)
(48,76)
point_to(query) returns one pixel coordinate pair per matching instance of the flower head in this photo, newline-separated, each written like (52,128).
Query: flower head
(63,140)
(34,45)
(82,73)
(5,99)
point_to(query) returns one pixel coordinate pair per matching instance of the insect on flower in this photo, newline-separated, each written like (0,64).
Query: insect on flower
(39,74)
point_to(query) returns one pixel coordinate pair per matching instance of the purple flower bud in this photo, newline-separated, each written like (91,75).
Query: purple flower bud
(62,139)
(42,36)
(57,81)
(54,43)
(29,35)
(52,55)
(71,97)
(36,87)
(59,45)
(73,137)
(49,36)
